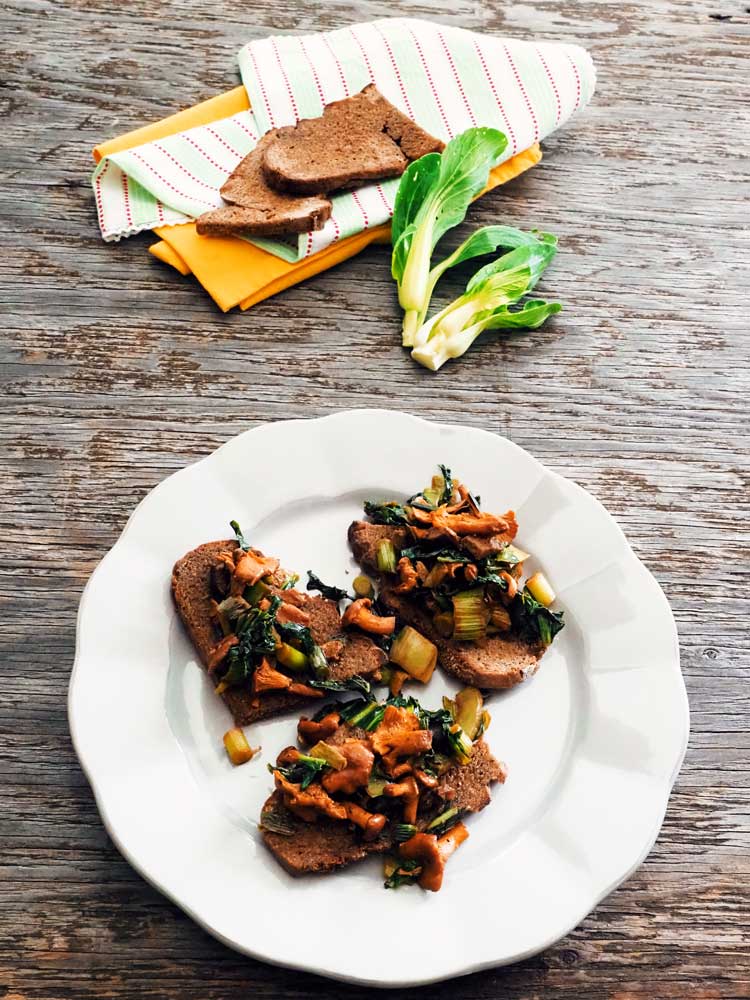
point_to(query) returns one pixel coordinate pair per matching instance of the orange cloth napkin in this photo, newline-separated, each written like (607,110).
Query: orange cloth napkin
(234,272)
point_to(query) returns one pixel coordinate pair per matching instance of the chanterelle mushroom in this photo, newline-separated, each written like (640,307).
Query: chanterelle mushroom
(423,848)
(250,568)
(399,735)
(310,731)
(356,774)
(408,576)
(359,613)
(313,801)
(408,790)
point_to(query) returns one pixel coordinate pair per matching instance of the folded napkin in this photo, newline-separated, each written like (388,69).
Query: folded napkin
(447,79)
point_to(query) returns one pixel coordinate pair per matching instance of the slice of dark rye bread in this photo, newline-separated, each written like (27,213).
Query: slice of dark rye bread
(328,844)
(496,662)
(359,139)
(191,589)
(255,209)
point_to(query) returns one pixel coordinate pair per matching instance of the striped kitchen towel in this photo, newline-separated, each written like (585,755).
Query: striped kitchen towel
(447,79)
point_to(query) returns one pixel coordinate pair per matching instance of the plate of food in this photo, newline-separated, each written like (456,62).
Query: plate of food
(369,657)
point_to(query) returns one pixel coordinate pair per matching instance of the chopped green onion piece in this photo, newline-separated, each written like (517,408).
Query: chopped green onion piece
(469,615)
(500,619)
(432,495)
(256,593)
(541,589)
(512,554)
(414,653)
(238,749)
(369,717)
(333,757)
(469,707)
(443,820)
(292,658)
(404,831)
(460,743)
(386,556)
(362,586)
(443,622)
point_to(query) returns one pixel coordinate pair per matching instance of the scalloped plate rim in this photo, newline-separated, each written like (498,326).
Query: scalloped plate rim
(465,968)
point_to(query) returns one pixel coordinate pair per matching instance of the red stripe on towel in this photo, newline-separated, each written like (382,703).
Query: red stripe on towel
(495,94)
(286,81)
(457,78)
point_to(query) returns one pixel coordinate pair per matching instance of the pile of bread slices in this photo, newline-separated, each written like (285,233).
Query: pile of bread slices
(283,186)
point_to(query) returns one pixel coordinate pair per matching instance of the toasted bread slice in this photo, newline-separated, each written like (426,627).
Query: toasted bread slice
(359,139)
(326,844)
(234,220)
(255,209)
(192,591)
(496,662)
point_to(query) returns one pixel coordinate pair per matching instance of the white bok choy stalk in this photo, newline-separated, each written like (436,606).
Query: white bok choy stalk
(491,302)
(433,196)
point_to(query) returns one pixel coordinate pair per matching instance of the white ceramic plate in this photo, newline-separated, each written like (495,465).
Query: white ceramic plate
(593,742)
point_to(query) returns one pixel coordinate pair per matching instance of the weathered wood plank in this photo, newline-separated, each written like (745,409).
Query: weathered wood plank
(114,372)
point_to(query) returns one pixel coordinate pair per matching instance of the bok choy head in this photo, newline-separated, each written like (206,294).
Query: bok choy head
(433,197)
(491,301)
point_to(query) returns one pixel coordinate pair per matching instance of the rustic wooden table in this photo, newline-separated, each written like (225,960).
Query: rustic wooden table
(115,372)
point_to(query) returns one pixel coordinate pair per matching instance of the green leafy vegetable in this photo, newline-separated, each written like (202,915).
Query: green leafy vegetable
(255,632)
(460,745)
(256,593)
(482,242)
(350,684)
(241,540)
(386,513)
(444,822)
(533,620)
(303,771)
(403,831)
(447,494)
(486,305)
(332,593)
(444,554)
(433,197)
(405,872)
(300,636)
(368,717)
(290,581)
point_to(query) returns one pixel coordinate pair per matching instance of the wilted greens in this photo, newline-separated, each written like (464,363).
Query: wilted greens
(533,620)
(332,593)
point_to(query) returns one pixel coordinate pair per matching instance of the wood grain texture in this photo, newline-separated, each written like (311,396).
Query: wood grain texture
(115,371)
